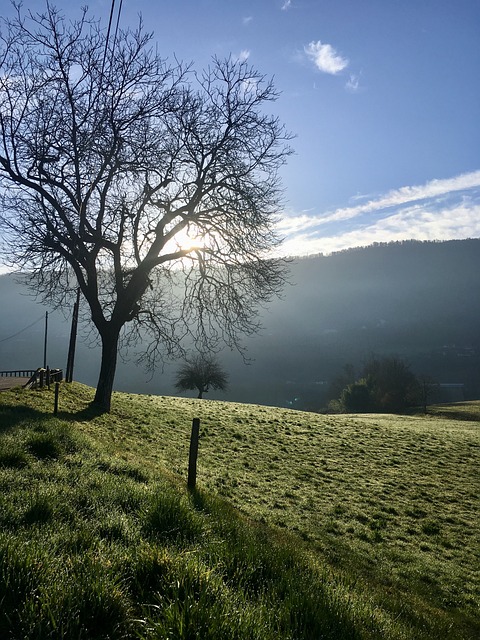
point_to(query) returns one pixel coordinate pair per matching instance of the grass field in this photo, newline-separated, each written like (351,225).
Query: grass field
(304,525)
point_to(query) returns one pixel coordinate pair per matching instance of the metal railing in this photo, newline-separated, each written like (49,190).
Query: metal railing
(19,373)
(37,378)
(43,378)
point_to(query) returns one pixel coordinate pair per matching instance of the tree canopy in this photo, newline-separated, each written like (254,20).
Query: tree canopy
(386,385)
(152,187)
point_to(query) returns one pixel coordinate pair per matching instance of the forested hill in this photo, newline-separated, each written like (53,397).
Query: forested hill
(419,294)
(417,300)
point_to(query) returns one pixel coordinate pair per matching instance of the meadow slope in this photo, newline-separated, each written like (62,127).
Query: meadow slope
(383,508)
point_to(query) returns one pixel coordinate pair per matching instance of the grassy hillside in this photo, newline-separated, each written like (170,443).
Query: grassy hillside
(304,526)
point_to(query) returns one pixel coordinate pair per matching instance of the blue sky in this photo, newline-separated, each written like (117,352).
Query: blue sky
(383,96)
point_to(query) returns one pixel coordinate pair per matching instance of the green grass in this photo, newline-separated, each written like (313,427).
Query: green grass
(303,526)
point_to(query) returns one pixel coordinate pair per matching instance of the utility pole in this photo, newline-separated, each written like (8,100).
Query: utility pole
(45,341)
(73,340)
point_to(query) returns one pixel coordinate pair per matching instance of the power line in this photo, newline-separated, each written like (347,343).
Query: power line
(108,34)
(110,20)
(118,22)
(22,330)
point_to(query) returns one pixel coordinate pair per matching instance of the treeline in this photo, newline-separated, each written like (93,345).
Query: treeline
(375,245)
(385,385)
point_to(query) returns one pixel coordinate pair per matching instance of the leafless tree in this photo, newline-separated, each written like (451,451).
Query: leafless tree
(202,372)
(150,186)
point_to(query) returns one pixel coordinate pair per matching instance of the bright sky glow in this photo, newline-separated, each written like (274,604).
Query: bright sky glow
(383,97)
(185,240)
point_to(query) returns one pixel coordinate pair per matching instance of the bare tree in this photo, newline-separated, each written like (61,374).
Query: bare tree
(151,187)
(201,373)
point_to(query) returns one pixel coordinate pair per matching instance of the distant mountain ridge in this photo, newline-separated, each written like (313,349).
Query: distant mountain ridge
(417,300)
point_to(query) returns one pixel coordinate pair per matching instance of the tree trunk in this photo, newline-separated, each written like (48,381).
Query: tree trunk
(103,395)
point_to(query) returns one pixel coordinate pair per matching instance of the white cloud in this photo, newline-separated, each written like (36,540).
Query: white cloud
(286,5)
(325,58)
(438,210)
(247,20)
(296,224)
(243,55)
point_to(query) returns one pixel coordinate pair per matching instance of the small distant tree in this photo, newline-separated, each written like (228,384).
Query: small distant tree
(201,373)
(426,390)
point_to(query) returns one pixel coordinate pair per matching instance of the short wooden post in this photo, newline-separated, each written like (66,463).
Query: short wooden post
(47,374)
(57,391)
(192,459)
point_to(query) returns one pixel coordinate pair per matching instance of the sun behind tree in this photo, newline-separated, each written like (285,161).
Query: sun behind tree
(201,373)
(151,187)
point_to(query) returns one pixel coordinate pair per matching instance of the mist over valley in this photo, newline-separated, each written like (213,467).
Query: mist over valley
(416,300)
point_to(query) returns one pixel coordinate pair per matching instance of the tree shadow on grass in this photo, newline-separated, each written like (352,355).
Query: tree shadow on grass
(460,414)
(455,411)
(198,500)
(11,417)
(90,412)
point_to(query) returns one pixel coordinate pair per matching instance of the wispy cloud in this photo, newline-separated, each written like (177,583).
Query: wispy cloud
(353,83)
(405,195)
(286,5)
(296,224)
(247,20)
(438,210)
(325,57)
(243,55)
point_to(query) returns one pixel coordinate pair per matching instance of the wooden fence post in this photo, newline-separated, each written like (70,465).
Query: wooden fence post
(57,391)
(192,459)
